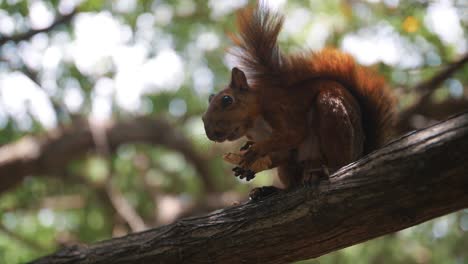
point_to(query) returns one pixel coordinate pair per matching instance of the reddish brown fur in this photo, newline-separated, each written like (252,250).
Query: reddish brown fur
(322,101)
(266,66)
(374,96)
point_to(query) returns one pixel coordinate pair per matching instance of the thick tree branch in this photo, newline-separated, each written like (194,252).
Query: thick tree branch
(64,19)
(51,153)
(413,179)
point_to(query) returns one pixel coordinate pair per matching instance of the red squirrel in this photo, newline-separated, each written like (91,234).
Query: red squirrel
(309,112)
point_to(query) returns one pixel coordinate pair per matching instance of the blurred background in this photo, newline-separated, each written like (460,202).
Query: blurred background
(100,104)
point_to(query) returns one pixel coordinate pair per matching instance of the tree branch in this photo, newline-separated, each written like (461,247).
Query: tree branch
(425,90)
(431,113)
(121,205)
(413,179)
(51,153)
(436,80)
(125,209)
(29,34)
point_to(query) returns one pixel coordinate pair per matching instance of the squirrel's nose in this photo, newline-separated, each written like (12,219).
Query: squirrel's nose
(214,135)
(218,135)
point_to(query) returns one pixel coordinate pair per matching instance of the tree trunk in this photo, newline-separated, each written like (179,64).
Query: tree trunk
(418,177)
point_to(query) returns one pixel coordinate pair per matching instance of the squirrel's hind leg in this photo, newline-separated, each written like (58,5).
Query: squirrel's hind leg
(291,173)
(339,127)
(288,171)
(314,173)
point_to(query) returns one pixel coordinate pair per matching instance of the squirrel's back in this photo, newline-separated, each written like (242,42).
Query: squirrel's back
(259,56)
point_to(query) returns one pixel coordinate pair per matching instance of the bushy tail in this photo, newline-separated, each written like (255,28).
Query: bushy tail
(264,64)
(256,43)
(378,107)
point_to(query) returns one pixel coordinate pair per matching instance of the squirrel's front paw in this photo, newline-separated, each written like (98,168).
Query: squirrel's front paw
(247,172)
(251,155)
(243,173)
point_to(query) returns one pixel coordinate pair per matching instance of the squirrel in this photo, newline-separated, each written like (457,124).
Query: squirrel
(310,112)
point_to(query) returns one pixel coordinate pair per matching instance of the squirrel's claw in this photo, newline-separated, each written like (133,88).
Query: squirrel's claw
(249,175)
(247,145)
(243,173)
(238,171)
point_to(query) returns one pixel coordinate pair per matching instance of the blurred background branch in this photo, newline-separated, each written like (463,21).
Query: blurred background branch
(62,19)
(52,152)
(425,89)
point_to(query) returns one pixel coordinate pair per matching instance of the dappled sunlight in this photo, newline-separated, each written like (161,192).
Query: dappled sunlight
(102,103)
(41,15)
(19,95)
(73,96)
(382,43)
(7,24)
(220,8)
(97,38)
(164,72)
(443,19)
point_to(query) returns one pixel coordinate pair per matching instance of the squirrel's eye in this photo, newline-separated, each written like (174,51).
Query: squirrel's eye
(210,98)
(226,100)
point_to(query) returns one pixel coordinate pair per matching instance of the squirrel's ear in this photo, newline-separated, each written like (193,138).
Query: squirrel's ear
(238,79)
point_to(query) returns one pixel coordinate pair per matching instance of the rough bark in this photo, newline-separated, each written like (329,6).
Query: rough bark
(418,177)
(51,153)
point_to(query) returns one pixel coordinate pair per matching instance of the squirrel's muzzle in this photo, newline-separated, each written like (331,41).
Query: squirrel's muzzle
(211,132)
